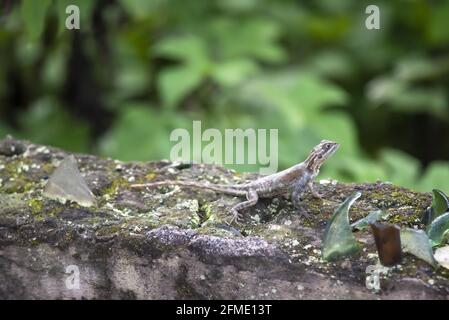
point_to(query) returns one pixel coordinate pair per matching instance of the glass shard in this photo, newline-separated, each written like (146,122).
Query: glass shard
(372,217)
(417,243)
(442,256)
(338,240)
(67,184)
(440,205)
(438,229)
(388,243)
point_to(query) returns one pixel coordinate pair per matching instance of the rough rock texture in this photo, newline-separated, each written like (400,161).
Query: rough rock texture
(173,243)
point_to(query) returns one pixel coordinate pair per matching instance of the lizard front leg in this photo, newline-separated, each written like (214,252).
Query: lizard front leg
(252,198)
(314,193)
(298,189)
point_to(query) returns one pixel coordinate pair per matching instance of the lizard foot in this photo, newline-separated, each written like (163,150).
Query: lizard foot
(303,214)
(236,217)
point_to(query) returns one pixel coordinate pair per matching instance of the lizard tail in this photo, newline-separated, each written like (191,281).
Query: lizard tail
(218,188)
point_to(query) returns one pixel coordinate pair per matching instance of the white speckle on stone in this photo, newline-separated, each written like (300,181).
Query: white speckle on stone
(431,282)
(274,290)
(287,222)
(202,277)
(295,243)
(372,255)
(307,246)
(256,218)
(43,150)
(300,287)
(131,179)
(2,166)
(23,168)
(190,204)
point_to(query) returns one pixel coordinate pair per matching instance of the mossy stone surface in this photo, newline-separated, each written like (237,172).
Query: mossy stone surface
(174,242)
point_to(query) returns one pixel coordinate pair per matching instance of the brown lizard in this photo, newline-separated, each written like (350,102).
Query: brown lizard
(291,182)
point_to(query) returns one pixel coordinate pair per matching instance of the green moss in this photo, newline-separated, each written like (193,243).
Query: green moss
(22,181)
(111,230)
(36,206)
(114,186)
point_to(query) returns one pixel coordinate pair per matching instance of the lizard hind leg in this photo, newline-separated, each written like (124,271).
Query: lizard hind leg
(252,198)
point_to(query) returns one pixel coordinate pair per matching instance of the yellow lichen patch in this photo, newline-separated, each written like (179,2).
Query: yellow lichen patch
(150,176)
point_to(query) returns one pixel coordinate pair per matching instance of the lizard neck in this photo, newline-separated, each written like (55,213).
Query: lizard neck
(313,162)
(297,171)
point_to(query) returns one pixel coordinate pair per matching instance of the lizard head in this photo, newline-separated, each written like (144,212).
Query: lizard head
(320,154)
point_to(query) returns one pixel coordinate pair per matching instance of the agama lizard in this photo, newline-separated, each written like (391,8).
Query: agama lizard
(289,182)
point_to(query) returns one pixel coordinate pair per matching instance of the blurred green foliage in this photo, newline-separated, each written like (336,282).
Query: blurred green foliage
(138,69)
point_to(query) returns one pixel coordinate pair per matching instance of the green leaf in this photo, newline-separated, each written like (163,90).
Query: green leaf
(141,132)
(33,16)
(437,30)
(438,229)
(299,95)
(400,168)
(417,243)
(372,217)
(176,82)
(253,37)
(46,122)
(232,72)
(5,130)
(436,176)
(338,240)
(132,79)
(187,48)
(420,68)
(352,168)
(332,63)
(141,9)
(402,96)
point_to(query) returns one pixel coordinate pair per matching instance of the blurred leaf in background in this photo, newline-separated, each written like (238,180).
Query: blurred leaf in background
(138,69)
